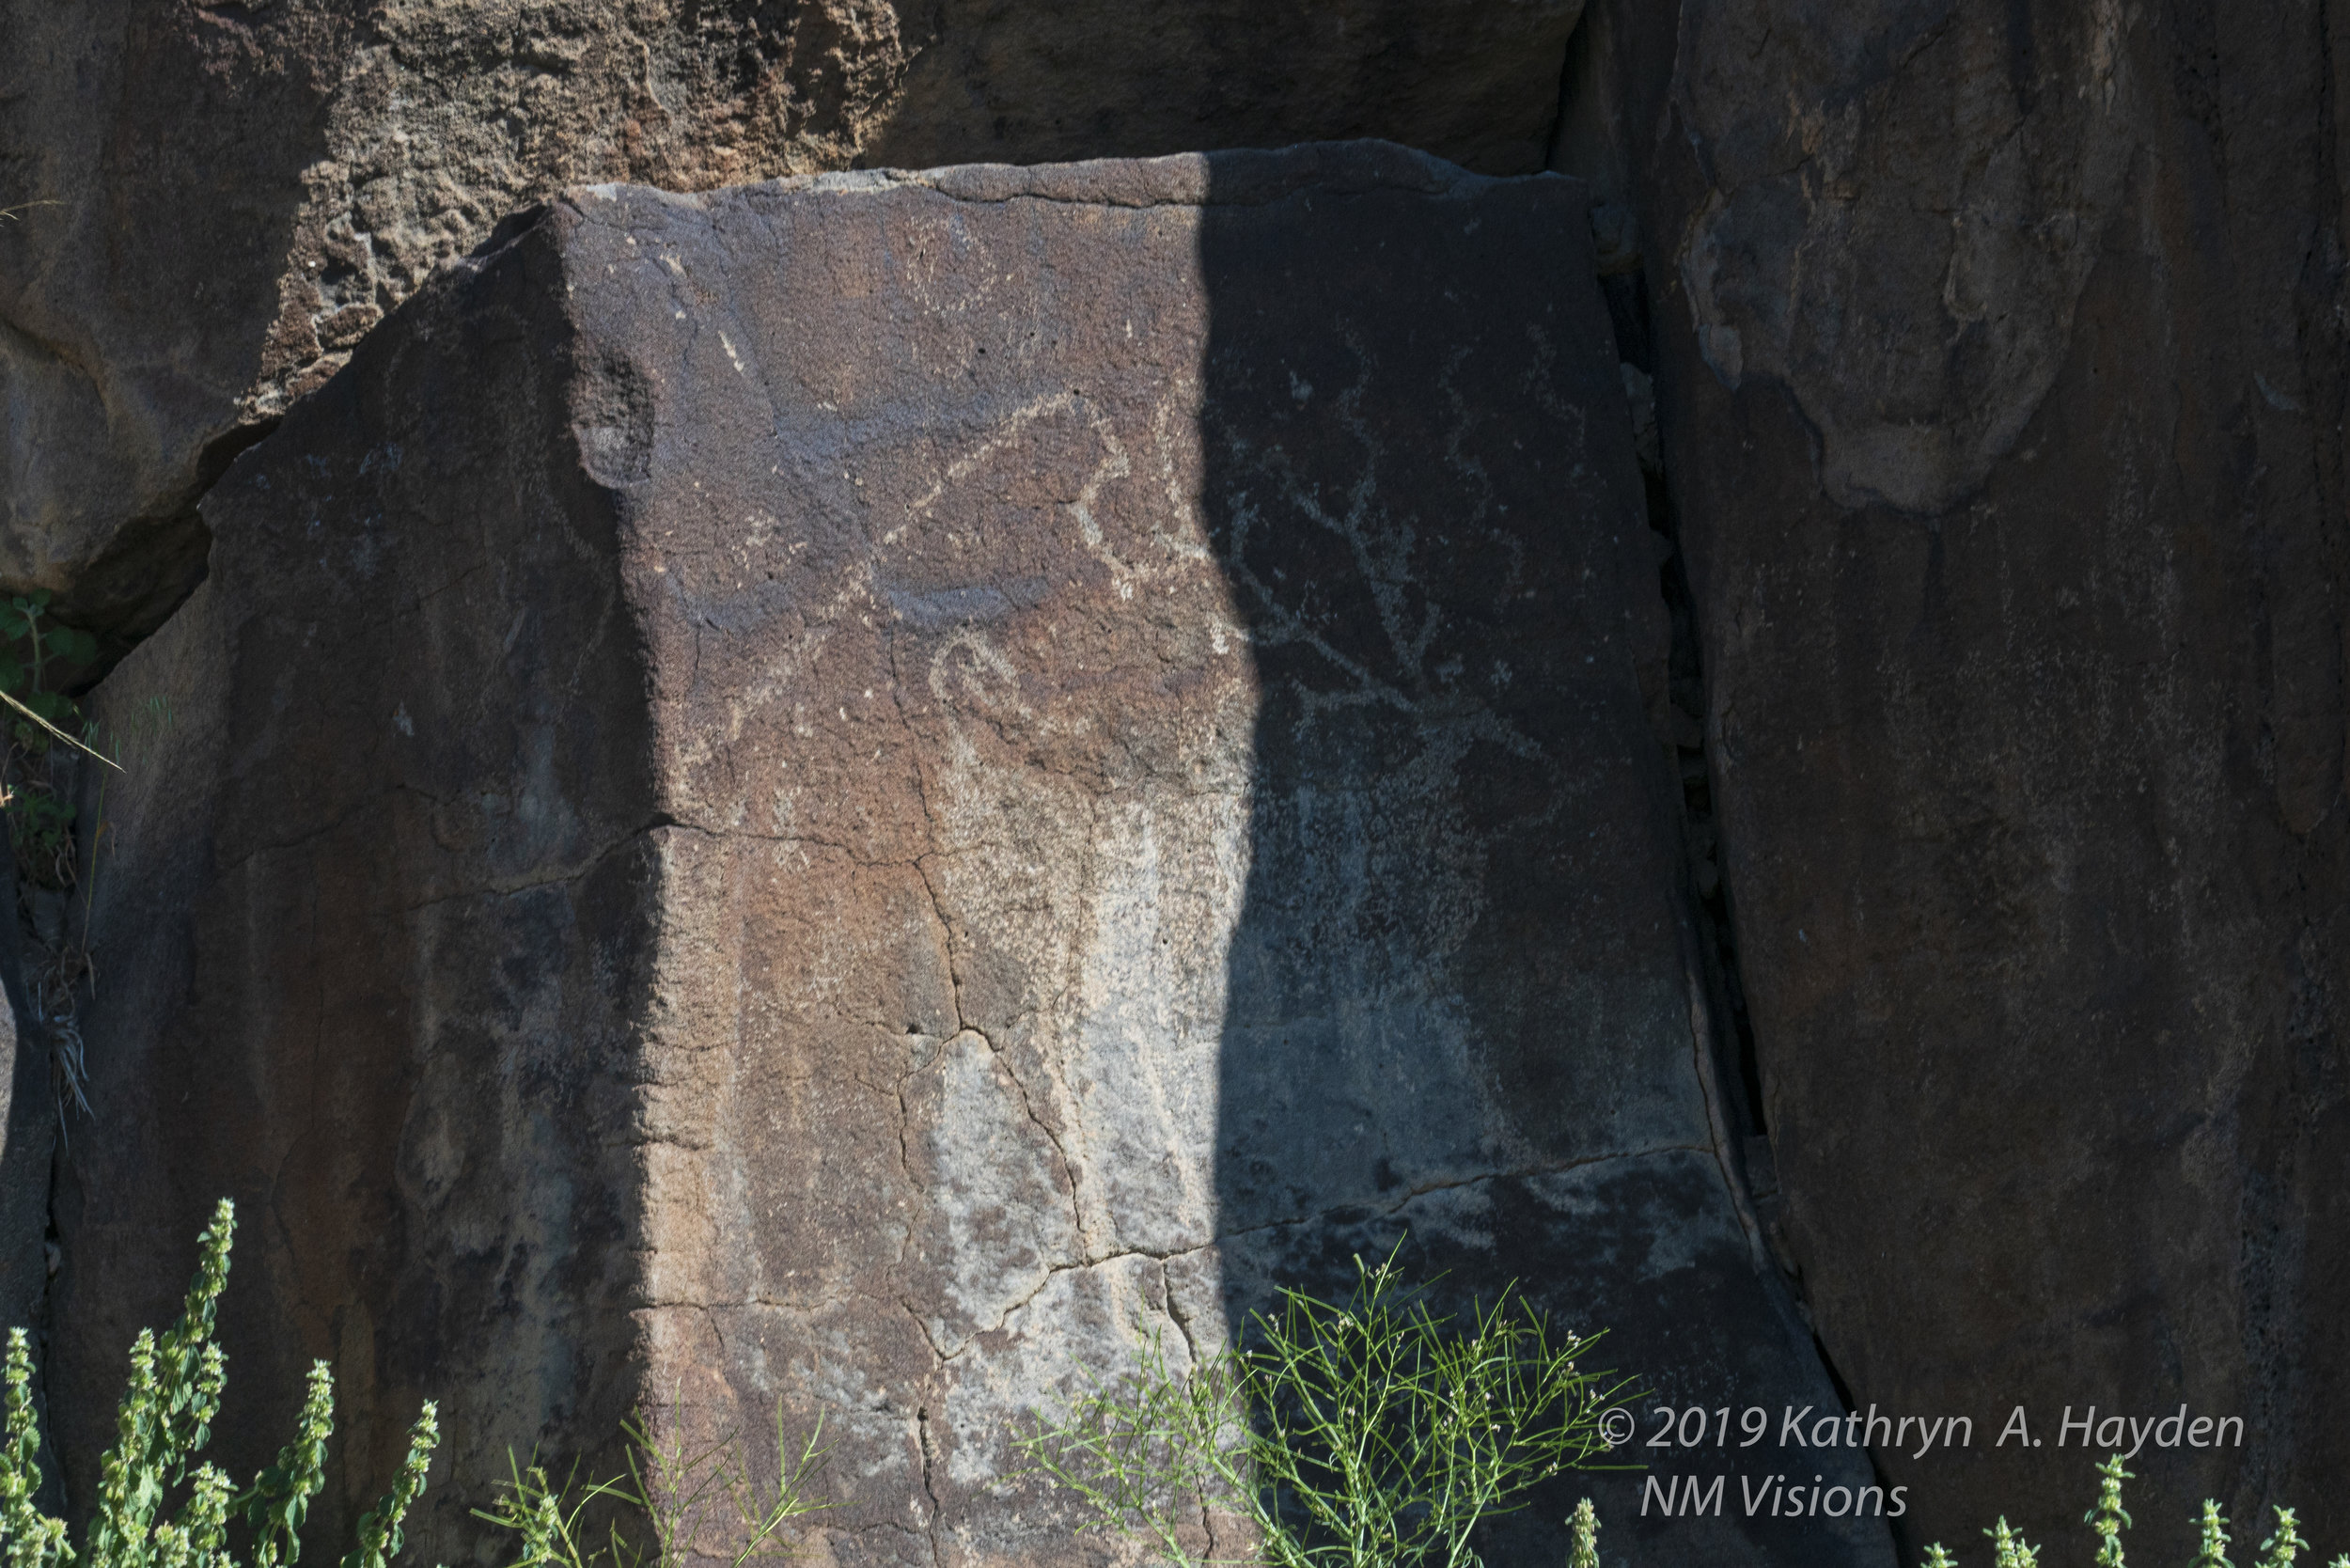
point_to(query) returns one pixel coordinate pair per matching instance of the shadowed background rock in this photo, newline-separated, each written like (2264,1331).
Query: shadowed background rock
(1998,364)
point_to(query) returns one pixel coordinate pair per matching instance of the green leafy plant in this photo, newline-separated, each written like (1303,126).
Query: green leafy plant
(2007,1549)
(2214,1551)
(683,1493)
(165,1419)
(1371,1434)
(2281,1549)
(1583,1536)
(2107,1520)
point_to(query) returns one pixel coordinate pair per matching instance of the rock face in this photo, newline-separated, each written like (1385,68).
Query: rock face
(1041,79)
(28,1122)
(226,198)
(1999,367)
(853,791)
(1208,868)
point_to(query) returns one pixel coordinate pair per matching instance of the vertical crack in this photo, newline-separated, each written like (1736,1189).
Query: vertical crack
(938,913)
(1175,1313)
(1182,1326)
(1717,938)
(921,1325)
(930,1489)
(1729,1065)
(964,1025)
(1731,1068)
(1069,1168)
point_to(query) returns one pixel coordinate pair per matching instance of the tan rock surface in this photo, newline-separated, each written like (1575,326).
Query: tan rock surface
(853,791)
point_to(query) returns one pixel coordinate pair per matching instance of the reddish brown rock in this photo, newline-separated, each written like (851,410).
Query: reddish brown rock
(1999,358)
(224,198)
(855,792)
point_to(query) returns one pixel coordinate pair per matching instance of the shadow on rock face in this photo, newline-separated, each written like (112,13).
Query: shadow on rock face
(1459,1007)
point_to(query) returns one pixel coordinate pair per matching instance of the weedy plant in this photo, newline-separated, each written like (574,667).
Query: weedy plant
(1583,1536)
(40,818)
(165,1419)
(685,1494)
(2107,1520)
(1372,1434)
(38,783)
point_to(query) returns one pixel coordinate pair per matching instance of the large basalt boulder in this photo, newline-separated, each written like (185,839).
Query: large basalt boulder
(858,792)
(1998,356)
(224,198)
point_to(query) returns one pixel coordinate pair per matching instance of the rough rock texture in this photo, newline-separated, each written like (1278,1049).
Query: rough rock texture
(228,196)
(1998,362)
(372,949)
(1027,80)
(850,792)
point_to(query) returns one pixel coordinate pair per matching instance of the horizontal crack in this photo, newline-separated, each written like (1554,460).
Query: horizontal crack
(1312,181)
(1053,1271)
